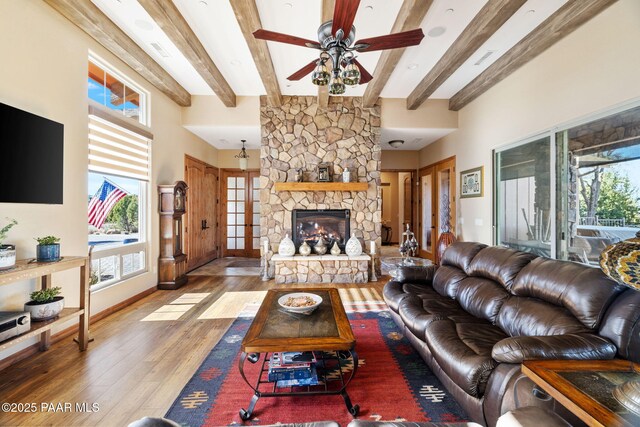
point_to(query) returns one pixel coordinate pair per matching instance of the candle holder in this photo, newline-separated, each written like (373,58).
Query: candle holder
(265,261)
(409,245)
(374,277)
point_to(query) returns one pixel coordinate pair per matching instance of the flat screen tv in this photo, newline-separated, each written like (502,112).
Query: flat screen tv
(31,157)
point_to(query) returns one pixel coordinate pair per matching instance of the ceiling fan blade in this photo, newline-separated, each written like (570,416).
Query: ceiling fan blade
(365,76)
(303,71)
(343,15)
(283,38)
(392,41)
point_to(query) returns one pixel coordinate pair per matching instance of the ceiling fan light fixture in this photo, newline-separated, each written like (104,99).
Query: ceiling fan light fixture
(337,86)
(396,143)
(321,75)
(351,74)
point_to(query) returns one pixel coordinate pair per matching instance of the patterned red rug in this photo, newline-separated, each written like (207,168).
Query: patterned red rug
(392,383)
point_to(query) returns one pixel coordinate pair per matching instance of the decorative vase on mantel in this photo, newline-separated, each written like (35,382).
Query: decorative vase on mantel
(320,247)
(304,249)
(286,247)
(353,247)
(335,249)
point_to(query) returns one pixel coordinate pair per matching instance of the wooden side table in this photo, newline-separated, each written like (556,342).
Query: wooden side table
(585,387)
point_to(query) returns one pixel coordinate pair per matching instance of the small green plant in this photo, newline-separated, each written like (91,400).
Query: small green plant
(44,296)
(47,240)
(4,230)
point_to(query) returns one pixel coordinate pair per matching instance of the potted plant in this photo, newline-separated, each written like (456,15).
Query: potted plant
(7,252)
(48,249)
(45,304)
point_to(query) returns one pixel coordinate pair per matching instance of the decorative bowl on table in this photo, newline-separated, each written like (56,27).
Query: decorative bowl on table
(300,302)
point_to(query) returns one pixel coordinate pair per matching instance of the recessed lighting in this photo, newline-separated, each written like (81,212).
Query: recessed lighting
(203,3)
(288,85)
(449,10)
(144,25)
(235,62)
(369,8)
(412,67)
(531,11)
(437,31)
(288,5)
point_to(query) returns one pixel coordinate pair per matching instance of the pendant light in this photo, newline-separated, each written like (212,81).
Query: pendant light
(243,157)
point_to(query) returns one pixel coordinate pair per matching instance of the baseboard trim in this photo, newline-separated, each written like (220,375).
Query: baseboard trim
(65,333)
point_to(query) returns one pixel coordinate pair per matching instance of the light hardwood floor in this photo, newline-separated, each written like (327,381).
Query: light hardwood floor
(133,368)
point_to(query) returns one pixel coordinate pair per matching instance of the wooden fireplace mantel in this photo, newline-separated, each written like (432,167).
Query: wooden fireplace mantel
(321,186)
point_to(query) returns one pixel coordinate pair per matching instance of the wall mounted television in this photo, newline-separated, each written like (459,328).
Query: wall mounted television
(31,158)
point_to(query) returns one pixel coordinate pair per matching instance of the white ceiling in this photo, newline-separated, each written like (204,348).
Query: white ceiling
(214,22)
(414,139)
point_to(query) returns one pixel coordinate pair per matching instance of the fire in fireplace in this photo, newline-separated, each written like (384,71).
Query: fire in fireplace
(331,224)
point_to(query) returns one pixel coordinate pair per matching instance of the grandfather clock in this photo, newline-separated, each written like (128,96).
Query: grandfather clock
(172,264)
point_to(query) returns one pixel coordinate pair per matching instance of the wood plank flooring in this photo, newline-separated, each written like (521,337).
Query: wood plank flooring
(133,368)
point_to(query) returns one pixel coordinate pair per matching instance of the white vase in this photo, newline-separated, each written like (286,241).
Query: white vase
(353,247)
(7,256)
(335,249)
(286,247)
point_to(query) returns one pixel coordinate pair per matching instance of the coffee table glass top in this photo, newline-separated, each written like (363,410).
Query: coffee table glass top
(405,262)
(327,328)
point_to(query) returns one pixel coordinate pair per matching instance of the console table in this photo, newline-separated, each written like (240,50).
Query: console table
(29,269)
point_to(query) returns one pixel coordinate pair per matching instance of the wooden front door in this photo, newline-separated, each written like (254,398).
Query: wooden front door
(241,213)
(437,204)
(201,219)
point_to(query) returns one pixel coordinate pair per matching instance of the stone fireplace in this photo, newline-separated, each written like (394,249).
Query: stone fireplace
(333,225)
(301,135)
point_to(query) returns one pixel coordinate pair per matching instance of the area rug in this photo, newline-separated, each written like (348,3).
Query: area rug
(392,383)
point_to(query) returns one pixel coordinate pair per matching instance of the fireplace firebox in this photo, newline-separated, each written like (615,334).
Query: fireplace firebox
(332,224)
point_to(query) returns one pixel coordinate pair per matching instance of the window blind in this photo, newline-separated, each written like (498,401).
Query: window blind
(118,150)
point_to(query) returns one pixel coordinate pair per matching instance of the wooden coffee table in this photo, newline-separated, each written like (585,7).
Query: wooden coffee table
(585,387)
(326,331)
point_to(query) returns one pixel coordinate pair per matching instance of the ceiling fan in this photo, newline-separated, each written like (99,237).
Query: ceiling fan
(336,43)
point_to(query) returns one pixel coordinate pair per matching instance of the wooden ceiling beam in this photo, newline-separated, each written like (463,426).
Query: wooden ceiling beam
(327,15)
(564,21)
(86,16)
(490,18)
(410,16)
(169,18)
(248,17)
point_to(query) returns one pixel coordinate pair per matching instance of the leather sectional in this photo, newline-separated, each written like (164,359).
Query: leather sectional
(484,310)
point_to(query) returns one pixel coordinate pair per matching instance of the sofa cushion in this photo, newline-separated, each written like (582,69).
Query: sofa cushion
(572,346)
(393,293)
(417,311)
(460,254)
(533,317)
(586,292)
(463,351)
(481,297)
(501,265)
(447,279)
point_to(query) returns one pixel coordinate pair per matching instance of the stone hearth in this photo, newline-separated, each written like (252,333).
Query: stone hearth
(300,134)
(321,269)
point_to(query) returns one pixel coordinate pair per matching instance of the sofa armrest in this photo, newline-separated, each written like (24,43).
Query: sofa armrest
(415,274)
(569,346)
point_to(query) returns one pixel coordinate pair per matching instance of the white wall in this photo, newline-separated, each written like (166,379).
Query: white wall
(44,71)
(592,69)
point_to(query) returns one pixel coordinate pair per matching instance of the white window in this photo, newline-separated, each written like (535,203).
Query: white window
(118,180)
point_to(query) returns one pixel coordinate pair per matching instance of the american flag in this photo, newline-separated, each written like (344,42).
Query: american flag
(103,201)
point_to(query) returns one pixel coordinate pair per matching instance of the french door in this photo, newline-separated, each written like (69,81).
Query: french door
(241,218)
(437,204)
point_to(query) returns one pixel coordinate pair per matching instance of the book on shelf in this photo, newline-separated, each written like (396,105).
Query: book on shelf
(289,366)
(311,380)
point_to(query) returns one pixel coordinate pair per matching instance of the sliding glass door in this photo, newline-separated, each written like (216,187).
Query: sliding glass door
(523,197)
(572,192)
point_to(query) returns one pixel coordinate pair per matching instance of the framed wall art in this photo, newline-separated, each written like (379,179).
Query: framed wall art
(472,182)
(324,172)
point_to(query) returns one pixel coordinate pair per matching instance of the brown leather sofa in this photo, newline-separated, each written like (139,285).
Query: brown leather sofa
(484,310)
